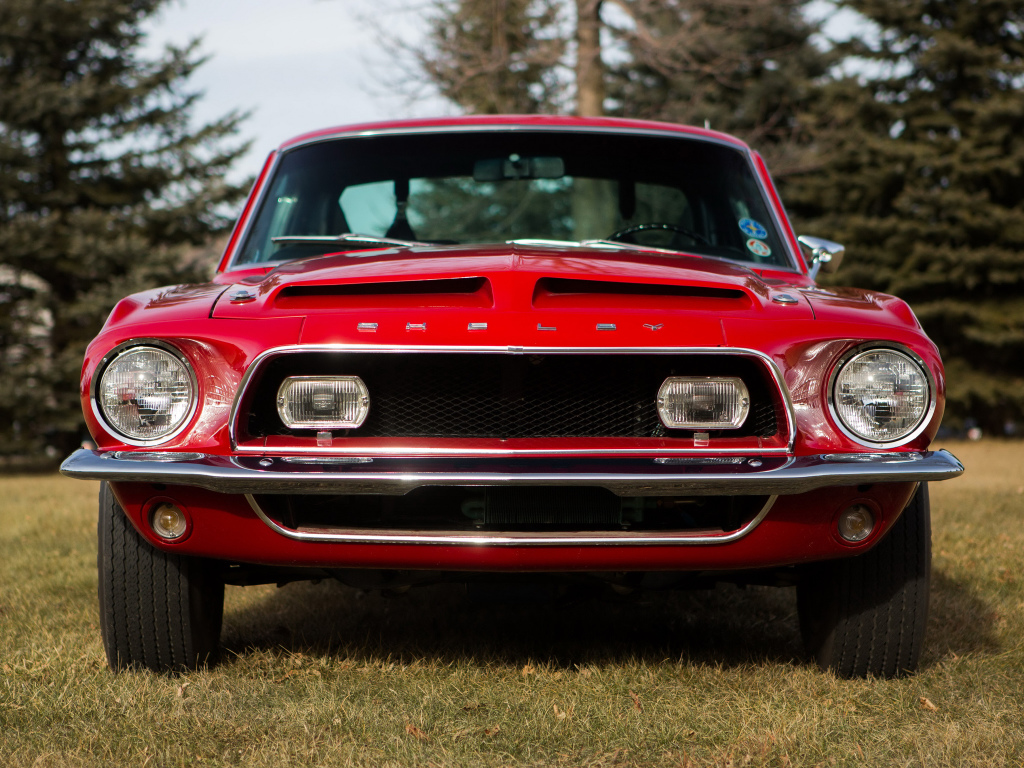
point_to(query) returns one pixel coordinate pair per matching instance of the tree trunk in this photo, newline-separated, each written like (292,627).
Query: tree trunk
(589,68)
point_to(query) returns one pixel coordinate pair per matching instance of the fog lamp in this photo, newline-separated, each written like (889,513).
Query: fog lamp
(856,523)
(168,521)
(323,402)
(691,402)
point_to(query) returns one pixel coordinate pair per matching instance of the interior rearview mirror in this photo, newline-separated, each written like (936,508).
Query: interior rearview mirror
(516,167)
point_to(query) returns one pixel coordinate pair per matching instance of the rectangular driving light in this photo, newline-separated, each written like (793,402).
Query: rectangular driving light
(323,402)
(703,402)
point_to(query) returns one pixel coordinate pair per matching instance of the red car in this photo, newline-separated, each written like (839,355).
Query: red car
(440,348)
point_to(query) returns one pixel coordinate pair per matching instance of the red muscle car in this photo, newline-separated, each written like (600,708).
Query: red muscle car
(440,348)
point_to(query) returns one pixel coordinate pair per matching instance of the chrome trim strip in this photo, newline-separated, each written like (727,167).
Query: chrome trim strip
(773,370)
(324,460)
(253,211)
(778,218)
(514,127)
(622,476)
(513,539)
(411,450)
(161,456)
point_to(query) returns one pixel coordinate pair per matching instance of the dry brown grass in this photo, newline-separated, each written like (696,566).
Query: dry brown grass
(323,675)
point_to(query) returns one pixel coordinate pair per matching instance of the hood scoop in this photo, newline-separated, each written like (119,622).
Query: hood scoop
(560,292)
(447,292)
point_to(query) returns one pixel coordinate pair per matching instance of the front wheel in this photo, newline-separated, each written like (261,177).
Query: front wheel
(158,611)
(866,615)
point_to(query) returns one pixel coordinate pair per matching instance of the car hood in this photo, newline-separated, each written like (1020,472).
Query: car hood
(854,305)
(511,278)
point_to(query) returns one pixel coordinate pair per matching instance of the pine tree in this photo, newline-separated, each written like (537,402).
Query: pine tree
(746,67)
(102,182)
(492,56)
(924,183)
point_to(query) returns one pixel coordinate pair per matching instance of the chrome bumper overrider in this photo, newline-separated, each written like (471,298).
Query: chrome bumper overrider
(711,476)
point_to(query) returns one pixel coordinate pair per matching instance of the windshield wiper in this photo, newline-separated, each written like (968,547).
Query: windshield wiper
(612,244)
(347,237)
(632,246)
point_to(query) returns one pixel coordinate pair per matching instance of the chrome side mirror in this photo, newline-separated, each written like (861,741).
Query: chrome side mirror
(821,254)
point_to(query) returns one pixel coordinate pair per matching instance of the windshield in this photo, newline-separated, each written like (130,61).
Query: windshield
(679,194)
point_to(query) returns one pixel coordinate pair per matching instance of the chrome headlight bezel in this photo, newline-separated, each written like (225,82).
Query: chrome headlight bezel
(132,346)
(869,348)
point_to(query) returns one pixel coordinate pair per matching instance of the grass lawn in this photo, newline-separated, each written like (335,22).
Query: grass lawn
(319,674)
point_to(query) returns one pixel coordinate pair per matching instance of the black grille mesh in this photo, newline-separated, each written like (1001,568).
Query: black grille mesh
(515,396)
(511,396)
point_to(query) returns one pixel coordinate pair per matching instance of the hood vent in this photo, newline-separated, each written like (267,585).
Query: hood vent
(559,292)
(449,292)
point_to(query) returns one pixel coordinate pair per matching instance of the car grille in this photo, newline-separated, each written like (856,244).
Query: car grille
(488,395)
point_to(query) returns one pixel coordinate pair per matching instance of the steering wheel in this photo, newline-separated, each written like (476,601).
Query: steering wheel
(624,232)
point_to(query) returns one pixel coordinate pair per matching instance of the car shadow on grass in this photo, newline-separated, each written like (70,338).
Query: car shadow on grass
(491,624)
(960,622)
(567,626)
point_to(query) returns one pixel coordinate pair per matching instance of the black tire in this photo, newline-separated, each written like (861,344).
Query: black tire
(866,615)
(157,611)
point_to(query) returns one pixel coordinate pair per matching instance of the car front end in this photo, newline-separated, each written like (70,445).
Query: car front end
(600,361)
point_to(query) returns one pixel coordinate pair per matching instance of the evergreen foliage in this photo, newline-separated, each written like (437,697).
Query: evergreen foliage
(494,56)
(102,183)
(745,67)
(924,184)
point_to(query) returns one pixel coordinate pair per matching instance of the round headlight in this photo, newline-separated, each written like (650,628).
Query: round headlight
(881,395)
(146,393)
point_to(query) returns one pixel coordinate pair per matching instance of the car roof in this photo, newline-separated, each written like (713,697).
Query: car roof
(547,122)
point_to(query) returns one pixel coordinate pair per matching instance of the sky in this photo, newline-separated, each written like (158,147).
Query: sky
(297,65)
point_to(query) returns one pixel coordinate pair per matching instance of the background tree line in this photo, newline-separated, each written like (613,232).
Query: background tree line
(905,142)
(104,185)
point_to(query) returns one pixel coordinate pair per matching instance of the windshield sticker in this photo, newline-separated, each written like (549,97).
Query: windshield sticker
(758,248)
(753,228)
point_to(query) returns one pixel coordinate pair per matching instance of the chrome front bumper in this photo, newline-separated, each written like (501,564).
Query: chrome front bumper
(696,476)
